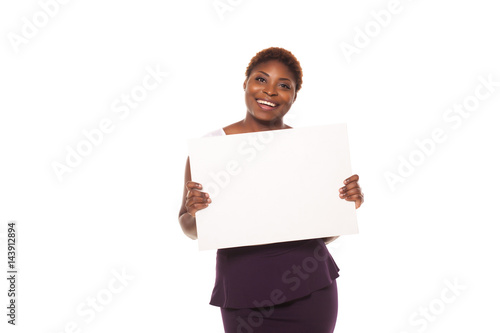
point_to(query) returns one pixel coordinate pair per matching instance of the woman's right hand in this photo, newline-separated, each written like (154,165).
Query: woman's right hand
(195,199)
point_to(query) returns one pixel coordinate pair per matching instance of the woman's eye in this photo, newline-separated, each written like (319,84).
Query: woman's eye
(261,79)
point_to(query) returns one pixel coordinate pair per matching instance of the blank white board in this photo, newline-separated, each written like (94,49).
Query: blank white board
(272,186)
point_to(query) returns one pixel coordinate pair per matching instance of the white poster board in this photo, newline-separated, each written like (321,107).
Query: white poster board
(272,186)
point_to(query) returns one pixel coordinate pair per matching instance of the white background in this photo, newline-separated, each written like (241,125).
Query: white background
(118,208)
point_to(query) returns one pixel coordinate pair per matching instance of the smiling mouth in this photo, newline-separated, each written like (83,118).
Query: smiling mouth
(266,105)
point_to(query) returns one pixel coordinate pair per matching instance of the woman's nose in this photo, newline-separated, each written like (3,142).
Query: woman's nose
(270,91)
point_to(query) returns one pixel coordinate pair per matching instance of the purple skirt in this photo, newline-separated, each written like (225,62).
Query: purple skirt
(281,287)
(314,313)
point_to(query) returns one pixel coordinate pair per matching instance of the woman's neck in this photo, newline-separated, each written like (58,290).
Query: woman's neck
(250,124)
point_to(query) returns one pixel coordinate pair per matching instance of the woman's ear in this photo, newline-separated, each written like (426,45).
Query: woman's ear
(245,85)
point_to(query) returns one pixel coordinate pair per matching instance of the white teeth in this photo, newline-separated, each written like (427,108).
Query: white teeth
(266,102)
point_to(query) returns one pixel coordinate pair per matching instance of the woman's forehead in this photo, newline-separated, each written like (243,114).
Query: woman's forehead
(273,65)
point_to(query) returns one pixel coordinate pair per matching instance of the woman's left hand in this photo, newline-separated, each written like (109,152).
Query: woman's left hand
(351,191)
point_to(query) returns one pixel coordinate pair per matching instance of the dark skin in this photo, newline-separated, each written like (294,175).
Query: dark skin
(270,81)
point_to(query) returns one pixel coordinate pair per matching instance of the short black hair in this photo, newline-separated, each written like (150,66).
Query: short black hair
(284,56)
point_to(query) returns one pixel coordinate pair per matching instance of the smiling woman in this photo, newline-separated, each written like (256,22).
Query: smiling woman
(269,88)
(281,287)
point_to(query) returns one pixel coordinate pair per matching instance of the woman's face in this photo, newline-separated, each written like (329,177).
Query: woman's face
(269,91)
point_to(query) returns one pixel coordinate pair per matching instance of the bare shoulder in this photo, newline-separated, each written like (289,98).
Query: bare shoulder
(234,128)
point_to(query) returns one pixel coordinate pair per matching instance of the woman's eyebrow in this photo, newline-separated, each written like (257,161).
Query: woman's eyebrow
(281,78)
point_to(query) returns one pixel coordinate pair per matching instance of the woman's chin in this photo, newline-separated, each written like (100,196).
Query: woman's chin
(267,118)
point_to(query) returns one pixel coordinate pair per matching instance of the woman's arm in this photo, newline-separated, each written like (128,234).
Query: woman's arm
(350,192)
(193,200)
(186,220)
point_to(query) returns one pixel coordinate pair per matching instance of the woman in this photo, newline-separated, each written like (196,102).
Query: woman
(282,287)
